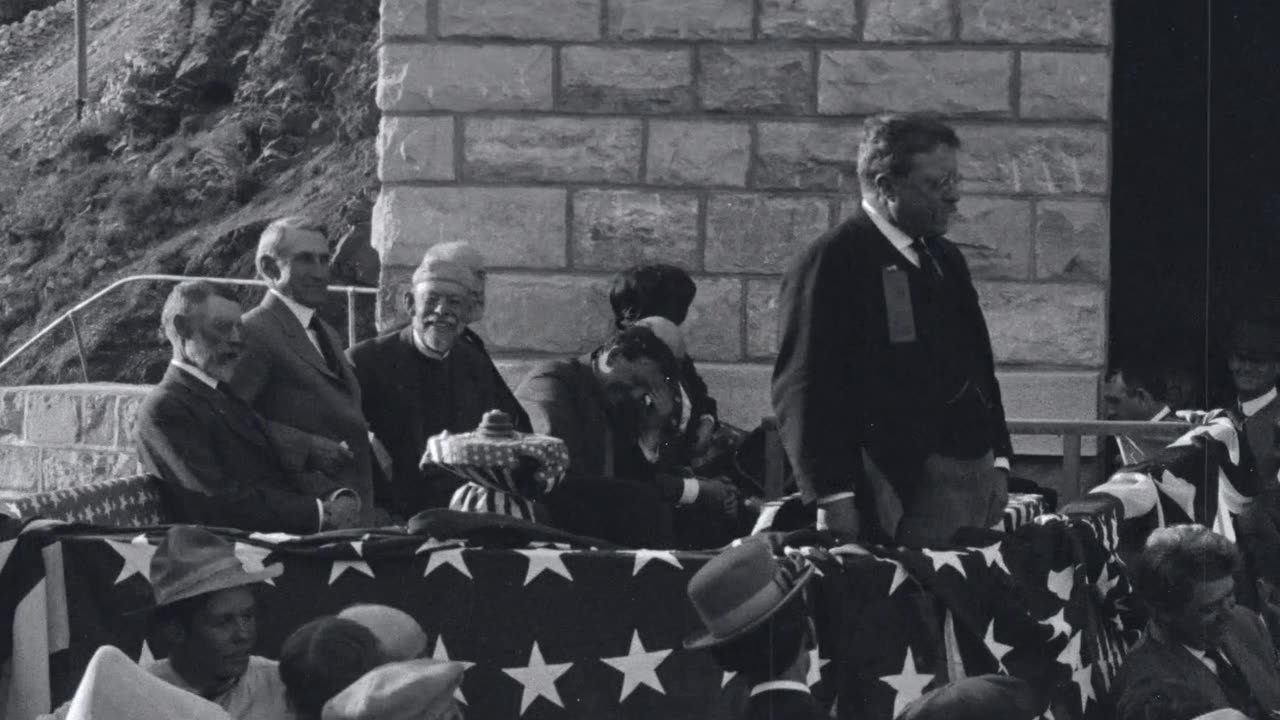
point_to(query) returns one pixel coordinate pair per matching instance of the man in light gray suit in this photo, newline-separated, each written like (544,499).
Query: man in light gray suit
(293,371)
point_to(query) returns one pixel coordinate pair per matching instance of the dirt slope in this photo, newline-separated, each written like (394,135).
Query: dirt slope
(208,118)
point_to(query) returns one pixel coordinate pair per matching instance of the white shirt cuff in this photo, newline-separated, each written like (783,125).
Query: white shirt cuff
(320,510)
(690,492)
(833,497)
(1002,463)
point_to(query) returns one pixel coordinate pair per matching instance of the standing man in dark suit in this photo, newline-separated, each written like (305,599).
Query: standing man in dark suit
(293,371)
(756,623)
(1197,634)
(1255,369)
(885,377)
(214,454)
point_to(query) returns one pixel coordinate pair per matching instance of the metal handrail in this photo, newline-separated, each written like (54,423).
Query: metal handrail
(69,316)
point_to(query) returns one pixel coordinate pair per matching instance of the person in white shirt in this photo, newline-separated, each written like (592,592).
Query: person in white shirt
(1255,367)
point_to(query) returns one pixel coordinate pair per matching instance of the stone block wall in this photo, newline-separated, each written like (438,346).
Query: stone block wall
(56,436)
(569,138)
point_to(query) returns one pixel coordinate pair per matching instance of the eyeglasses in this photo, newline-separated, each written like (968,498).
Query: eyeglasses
(937,185)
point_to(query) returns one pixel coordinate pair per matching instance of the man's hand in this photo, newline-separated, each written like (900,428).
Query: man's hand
(342,512)
(328,457)
(719,495)
(840,518)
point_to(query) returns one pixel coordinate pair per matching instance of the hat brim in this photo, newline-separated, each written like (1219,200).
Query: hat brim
(216,583)
(703,639)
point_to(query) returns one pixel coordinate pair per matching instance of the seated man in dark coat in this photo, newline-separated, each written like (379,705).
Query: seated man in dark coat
(420,381)
(1197,633)
(213,452)
(601,405)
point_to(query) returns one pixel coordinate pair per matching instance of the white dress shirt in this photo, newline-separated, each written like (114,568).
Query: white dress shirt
(780,685)
(304,315)
(1252,407)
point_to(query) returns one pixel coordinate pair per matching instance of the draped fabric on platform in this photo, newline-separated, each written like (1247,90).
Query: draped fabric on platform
(554,632)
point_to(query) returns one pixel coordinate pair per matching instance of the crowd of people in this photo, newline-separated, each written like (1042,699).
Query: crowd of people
(887,406)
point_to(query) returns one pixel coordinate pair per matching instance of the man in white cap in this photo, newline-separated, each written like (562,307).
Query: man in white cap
(420,381)
(463,254)
(206,607)
(411,690)
(399,634)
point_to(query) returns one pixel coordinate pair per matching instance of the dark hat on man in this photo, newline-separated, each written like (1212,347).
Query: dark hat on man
(983,697)
(741,588)
(192,561)
(1256,337)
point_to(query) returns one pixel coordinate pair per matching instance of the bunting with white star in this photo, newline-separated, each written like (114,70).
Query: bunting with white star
(551,631)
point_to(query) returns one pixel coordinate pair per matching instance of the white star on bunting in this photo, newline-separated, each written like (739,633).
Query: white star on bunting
(816,663)
(137,557)
(544,560)
(644,557)
(1083,678)
(728,675)
(1070,655)
(899,574)
(252,557)
(998,649)
(994,557)
(1106,581)
(1058,623)
(910,684)
(146,658)
(341,566)
(442,558)
(1061,582)
(638,667)
(442,653)
(538,679)
(943,558)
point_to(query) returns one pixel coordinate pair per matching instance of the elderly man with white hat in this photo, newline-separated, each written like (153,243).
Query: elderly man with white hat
(420,381)
(206,606)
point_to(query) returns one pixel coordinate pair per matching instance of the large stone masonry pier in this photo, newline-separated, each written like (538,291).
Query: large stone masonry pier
(570,138)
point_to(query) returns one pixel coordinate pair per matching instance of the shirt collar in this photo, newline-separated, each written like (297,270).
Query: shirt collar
(195,372)
(899,239)
(1199,654)
(780,685)
(300,311)
(1162,414)
(1251,407)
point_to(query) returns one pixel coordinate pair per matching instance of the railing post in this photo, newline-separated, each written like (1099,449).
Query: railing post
(1071,461)
(75,331)
(351,317)
(82,57)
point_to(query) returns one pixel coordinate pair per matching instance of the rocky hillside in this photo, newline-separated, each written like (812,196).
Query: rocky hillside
(207,119)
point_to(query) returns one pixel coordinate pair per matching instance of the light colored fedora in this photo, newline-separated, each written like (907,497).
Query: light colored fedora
(192,561)
(739,589)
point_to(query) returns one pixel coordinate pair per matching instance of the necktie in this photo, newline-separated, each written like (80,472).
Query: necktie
(927,263)
(322,339)
(1234,684)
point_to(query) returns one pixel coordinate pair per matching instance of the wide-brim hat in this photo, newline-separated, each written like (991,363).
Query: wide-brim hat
(412,690)
(982,697)
(401,637)
(1256,337)
(114,686)
(191,561)
(740,589)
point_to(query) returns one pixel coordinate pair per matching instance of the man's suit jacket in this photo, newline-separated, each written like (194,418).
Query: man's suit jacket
(285,378)
(219,465)
(785,705)
(1260,434)
(840,385)
(1246,644)
(408,398)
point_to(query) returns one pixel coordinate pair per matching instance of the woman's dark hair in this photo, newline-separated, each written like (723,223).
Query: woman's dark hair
(1175,559)
(320,659)
(765,652)
(643,291)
